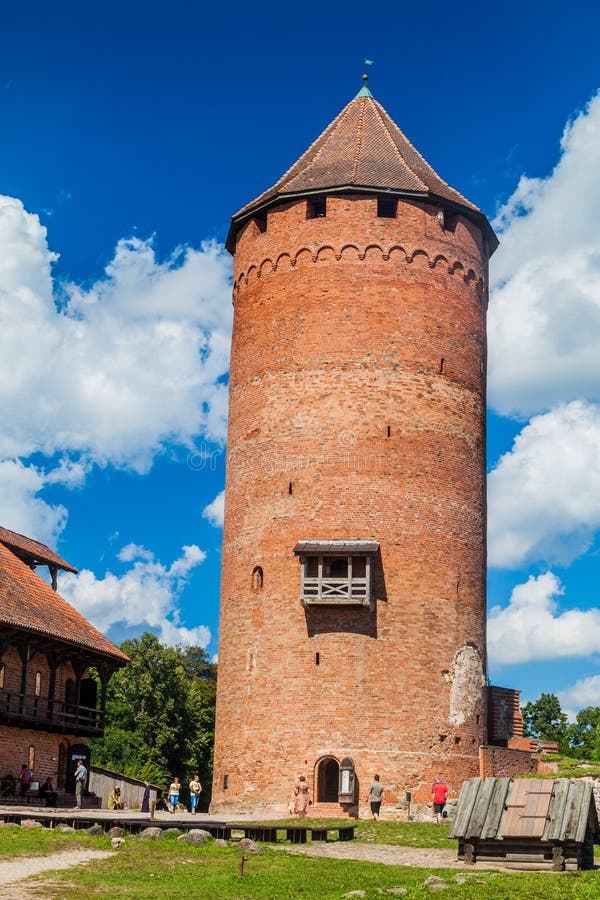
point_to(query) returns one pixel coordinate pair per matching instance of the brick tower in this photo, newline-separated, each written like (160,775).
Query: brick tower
(352,635)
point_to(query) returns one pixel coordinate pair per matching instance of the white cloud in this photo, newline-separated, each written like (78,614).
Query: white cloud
(22,509)
(585,692)
(116,372)
(134,551)
(532,627)
(544,495)
(544,317)
(215,511)
(110,374)
(146,595)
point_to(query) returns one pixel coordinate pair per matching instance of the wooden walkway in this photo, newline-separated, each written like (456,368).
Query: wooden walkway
(136,822)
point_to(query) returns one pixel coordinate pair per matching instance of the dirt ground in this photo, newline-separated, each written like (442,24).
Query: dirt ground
(14,872)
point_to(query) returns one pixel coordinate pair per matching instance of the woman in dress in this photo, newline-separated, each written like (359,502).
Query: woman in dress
(301,797)
(146,797)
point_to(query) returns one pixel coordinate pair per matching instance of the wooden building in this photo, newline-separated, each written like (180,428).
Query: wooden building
(527,824)
(49,704)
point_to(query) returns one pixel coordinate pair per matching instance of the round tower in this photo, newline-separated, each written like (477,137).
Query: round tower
(352,633)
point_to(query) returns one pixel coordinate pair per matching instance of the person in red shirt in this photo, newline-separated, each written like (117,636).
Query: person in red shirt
(440,795)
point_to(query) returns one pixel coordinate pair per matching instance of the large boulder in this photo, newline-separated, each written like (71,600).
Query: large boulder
(195,836)
(249,846)
(151,834)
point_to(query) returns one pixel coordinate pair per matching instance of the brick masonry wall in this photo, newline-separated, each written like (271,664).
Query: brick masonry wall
(502,762)
(15,743)
(357,411)
(14,751)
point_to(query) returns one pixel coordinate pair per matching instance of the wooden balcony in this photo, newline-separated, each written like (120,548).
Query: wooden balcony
(45,714)
(335,591)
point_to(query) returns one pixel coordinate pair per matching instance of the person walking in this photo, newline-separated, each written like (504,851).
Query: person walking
(376,796)
(195,791)
(174,794)
(439,794)
(25,779)
(80,780)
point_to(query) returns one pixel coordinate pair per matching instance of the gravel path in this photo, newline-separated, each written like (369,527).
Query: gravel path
(385,853)
(14,871)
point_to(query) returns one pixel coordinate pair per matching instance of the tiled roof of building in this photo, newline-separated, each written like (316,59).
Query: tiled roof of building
(32,551)
(362,149)
(29,603)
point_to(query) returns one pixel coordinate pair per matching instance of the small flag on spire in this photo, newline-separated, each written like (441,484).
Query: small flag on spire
(368,62)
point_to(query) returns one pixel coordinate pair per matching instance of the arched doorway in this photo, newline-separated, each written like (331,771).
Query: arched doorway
(328,777)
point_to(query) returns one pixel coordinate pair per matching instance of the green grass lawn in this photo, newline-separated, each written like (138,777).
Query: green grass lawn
(406,834)
(169,869)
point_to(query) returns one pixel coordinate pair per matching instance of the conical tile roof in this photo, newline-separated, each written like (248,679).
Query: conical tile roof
(362,149)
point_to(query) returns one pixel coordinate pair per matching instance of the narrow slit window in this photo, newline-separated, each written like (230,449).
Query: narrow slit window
(387,207)
(257,578)
(317,208)
(290,488)
(389,431)
(442,361)
(317,659)
(38,684)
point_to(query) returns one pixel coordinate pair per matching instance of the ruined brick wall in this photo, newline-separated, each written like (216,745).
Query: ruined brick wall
(357,411)
(502,762)
(505,721)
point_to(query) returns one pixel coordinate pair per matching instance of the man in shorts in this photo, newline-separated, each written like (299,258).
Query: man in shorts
(440,795)
(376,796)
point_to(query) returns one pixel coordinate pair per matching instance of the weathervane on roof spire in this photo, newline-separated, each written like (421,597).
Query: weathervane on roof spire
(364,91)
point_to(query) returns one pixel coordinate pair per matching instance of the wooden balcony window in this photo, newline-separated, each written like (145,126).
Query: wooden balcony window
(336,573)
(335,580)
(29,710)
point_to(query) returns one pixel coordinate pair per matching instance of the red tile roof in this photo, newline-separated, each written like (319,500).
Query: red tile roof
(32,551)
(362,149)
(29,603)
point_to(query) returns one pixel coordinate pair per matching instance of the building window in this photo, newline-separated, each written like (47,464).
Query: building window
(257,578)
(317,208)
(31,759)
(387,207)
(336,572)
(1,677)
(38,684)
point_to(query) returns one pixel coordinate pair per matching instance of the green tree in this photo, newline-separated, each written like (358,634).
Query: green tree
(160,714)
(544,719)
(584,733)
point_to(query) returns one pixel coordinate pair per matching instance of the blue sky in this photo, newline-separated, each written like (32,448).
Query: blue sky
(130,134)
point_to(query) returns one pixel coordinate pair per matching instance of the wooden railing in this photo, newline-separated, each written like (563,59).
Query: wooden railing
(335,589)
(44,712)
